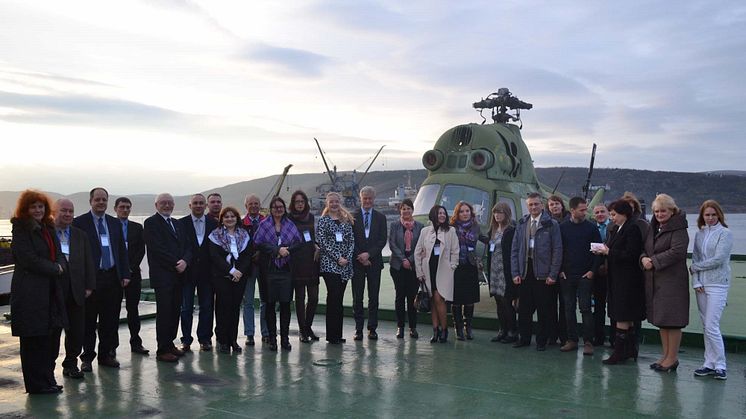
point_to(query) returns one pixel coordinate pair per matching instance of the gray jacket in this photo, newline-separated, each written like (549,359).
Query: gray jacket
(396,243)
(711,256)
(547,248)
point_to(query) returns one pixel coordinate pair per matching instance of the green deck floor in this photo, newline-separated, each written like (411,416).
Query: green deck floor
(385,378)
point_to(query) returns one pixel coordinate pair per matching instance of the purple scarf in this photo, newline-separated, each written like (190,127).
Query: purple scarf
(468,233)
(220,237)
(266,234)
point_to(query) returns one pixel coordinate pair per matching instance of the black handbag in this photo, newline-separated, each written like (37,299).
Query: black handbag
(422,300)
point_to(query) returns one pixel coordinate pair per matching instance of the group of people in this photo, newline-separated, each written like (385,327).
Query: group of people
(73,272)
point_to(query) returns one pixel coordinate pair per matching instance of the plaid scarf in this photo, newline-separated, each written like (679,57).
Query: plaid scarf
(266,234)
(468,233)
(408,233)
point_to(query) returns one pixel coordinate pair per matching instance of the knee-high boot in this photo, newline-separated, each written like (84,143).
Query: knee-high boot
(621,348)
(458,320)
(468,317)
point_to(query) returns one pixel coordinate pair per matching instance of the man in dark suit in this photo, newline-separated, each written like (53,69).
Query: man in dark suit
(135,243)
(109,253)
(370,238)
(600,282)
(196,227)
(168,257)
(78,282)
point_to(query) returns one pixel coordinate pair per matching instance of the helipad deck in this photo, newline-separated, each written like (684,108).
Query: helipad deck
(385,378)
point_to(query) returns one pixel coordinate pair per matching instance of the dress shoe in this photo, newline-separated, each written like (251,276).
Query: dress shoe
(167,357)
(108,362)
(73,372)
(400,333)
(86,366)
(372,335)
(304,339)
(205,347)
(140,350)
(177,352)
(569,346)
(358,336)
(273,345)
(250,341)
(285,343)
(47,390)
(185,347)
(587,349)
(413,334)
(521,343)
(670,368)
(265,339)
(236,348)
(224,348)
(510,337)
(541,348)
(312,335)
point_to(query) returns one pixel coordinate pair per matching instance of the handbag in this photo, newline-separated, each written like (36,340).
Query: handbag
(422,300)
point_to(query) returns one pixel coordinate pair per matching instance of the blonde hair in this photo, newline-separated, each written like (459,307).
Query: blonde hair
(344,215)
(665,201)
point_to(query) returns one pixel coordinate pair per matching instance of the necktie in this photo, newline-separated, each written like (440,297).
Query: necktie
(170,224)
(533,228)
(531,234)
(200,229)
(124,232)
(366,219)
(602,230)
(105,256)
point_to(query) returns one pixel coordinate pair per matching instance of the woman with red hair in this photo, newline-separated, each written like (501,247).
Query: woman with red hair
(36,300)
(465,278)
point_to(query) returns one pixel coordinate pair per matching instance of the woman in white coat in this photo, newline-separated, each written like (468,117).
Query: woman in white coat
(711,279)
(435,259)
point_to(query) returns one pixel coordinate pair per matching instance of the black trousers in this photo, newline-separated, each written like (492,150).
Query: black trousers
(103,305)
(168,308)
(228,297)
(38,354)
(132,303)
(600,283)
(335,291)
(359,276)
(535,296)
(305,312)
(74,332)
(406,286)
(558,320)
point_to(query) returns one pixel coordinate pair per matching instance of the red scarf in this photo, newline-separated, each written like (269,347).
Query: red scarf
(50,243)
(408,234)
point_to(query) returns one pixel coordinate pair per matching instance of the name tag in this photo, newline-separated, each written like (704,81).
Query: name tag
(471,249)
(492,247)
(307,236)
(65,248)
(436,250)
(279,241)
(104,240)
(338,236)
(531,243)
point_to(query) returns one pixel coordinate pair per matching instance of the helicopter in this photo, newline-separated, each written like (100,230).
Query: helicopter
(487,163)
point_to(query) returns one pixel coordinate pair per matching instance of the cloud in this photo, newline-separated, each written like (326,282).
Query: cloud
(290,61)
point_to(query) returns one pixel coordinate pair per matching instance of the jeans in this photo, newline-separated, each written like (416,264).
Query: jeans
(578,290)
(206,300)
(248,306)
(711,304)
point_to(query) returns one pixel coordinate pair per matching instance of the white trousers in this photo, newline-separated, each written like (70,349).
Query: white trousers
(711,304)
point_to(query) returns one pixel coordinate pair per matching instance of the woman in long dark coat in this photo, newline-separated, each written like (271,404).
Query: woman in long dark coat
(466,276)
(36,300)
(625,280)
(305,266)
(667,278)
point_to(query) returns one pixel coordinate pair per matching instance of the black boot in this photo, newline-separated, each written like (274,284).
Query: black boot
(400,333)
(458,321)
(620,348)
(444,336)
(436,335)
(633,345)
(469,316)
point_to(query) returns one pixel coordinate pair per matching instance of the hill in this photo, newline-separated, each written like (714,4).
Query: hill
(689,189)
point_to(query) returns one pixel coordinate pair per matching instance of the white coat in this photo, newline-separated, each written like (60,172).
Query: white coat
(447,263)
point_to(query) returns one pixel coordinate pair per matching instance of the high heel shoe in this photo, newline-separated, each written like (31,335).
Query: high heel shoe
(444,336)
(436,335)
(672,367)
(654,365)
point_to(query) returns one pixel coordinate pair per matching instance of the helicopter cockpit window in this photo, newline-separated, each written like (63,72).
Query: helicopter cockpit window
(425,200)
(480,199)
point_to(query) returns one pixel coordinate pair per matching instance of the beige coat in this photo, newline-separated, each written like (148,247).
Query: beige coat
(447,263)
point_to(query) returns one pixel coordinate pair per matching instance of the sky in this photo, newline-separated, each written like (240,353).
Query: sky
(183,96)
